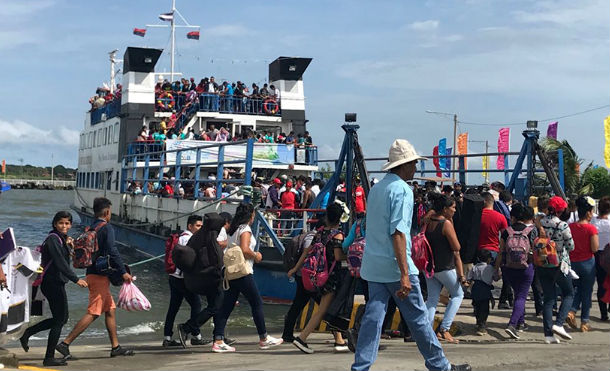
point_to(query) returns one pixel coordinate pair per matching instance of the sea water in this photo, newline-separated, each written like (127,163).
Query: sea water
(30,212)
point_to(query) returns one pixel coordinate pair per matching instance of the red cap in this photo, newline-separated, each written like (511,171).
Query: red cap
(289,184)
(277,181)
(558,204)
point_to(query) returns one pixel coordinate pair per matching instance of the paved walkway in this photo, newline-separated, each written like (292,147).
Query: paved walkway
(495,351)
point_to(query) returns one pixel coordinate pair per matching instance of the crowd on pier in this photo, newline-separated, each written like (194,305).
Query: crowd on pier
(556,249)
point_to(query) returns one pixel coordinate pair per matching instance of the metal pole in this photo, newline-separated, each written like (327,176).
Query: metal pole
(454,143)
(173,36)
(51,169)
(486,152)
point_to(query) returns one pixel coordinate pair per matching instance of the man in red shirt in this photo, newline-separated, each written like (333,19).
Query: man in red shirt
(359,198)
(288,199)
(492,223)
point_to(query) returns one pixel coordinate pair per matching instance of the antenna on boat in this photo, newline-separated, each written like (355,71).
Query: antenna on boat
(171,17)
(113,62)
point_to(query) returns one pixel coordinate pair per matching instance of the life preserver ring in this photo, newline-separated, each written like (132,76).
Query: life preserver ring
(270,106)
(166,101)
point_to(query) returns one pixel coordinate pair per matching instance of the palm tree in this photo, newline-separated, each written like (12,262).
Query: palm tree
(574,185)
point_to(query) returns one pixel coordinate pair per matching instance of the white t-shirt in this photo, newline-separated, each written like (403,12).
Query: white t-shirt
(603,230)
(315,189)
(182,240)
(222,235)
(236,238)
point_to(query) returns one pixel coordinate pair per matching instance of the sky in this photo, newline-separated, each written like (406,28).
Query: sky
(490,62)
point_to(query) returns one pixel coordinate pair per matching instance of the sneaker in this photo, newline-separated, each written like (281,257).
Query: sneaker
(584,327)
(64,349)
(512,332)
(222,348)
(230,341)
(352,339)
(464,367)
(195,341)
(303,347)
(54,362)
(523,327)
(551,340)
(171,343)
(571,320)
(270,342)
(503,306)
(481,331)
(559,330)
(341,348)
(182,335)
(120,351)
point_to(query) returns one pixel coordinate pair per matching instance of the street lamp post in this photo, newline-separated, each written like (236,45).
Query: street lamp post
(455,121)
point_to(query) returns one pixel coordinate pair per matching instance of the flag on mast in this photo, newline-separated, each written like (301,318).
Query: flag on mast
(167,16)
(194,35)
(139,32)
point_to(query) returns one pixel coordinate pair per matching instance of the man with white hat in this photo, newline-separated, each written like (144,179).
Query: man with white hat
(388,267)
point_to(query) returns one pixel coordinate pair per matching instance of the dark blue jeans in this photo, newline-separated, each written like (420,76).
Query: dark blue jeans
(549,279)
(214,299)
(600,274)
(583,287)
(247,287)
(177,292)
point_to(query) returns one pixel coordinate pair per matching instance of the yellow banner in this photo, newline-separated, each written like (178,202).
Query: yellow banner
(485,166)
(607,136)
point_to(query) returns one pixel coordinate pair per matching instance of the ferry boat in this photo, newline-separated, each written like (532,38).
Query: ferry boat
(112,164)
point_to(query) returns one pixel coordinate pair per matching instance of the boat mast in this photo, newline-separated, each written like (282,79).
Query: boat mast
(173,27)
(113,62)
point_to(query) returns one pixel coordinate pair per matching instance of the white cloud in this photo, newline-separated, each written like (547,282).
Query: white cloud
(226,30)
(23,133)
(566,13)
(13,9)
(423,26)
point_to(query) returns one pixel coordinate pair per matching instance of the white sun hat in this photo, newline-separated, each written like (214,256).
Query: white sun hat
(401,152)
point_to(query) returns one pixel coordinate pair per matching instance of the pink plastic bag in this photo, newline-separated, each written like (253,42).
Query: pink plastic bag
(132,299)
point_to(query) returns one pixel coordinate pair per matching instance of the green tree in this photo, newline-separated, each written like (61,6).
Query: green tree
(599,179)
(574,185)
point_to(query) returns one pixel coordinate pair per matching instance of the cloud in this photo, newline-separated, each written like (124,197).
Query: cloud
(565,13)
(14,9)
(29,135)
(423,26)
(226,30)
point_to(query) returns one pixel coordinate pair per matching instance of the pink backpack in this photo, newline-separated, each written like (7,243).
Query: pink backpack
(517,248)
(315,271)
(355,252)
(421,253)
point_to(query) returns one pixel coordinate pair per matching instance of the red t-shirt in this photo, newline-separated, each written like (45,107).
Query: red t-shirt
(581,234)
(492,223)
(288,199)
(359,200)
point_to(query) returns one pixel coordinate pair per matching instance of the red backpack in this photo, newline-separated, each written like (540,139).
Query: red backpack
(86,247)
(170,243)
(421,253)
(315,271)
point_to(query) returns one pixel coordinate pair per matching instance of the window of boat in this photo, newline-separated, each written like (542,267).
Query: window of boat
(88,179)
(109,178)
(89,140)
(116,182)
(93,142)
(99,137)
(110,137)
(116,132)
(105,136)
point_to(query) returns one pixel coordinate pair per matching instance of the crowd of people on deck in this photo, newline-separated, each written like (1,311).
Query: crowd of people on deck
(227,96)
(104,96)
(575,237)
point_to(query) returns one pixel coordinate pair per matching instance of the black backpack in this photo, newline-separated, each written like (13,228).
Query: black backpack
(294,249)
(205,274)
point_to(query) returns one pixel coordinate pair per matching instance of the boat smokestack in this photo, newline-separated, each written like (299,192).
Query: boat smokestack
(286,73)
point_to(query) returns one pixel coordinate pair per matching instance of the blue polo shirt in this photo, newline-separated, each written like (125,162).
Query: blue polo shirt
(389,209)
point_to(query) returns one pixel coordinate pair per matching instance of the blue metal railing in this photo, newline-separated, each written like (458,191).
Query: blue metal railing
(132,164)
(207,102)
(109,110)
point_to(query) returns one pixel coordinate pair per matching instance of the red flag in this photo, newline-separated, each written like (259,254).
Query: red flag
(503,145)
(436,162)
(193,35)
(139,32)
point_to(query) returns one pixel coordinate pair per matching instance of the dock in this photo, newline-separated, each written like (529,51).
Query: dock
(587,351)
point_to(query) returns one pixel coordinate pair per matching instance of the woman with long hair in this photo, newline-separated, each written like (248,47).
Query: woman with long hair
(602,223)
(240,234)
(586,244)
(448,270)
(57,272)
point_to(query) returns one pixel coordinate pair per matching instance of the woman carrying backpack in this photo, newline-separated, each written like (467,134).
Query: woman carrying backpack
(516,243)
(57,272)
(448,271)
(586,244)
(241,235)
(332,238)
(556,273)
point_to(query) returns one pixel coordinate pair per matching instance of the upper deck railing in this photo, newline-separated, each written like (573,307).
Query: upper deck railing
(207,102)
(109,110)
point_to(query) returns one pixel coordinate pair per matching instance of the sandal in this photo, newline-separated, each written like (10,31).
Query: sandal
(444,335)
